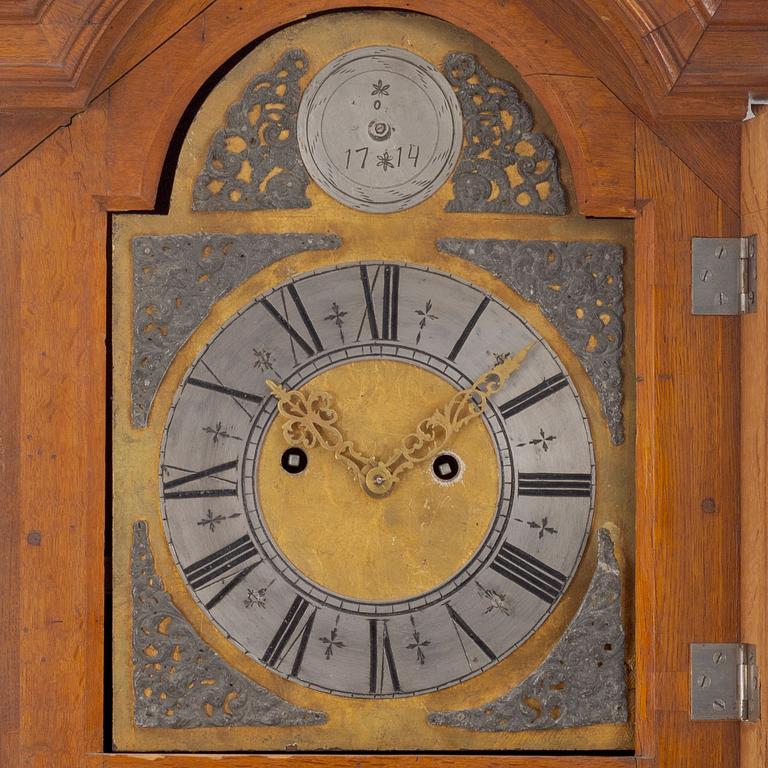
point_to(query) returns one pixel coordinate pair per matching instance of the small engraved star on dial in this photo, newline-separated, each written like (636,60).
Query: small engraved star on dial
(433,581)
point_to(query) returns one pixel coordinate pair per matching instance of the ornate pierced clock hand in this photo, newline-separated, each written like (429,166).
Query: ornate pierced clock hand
(433,433)
(310,420)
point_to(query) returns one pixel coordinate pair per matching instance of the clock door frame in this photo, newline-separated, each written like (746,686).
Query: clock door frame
(55,370)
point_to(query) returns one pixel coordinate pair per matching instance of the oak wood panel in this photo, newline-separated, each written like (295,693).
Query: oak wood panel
(59,40)
(354,761)
(673,43)
(687,448)
(611,37)
(21,131)
(598,133)
(741,14)
(40,92)
(53,241)
(22,11)
(716,158)
(754,433)
(598,37)
(10,537)
(68,51)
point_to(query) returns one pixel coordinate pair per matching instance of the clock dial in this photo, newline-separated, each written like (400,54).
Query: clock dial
(325,582)
(379,129)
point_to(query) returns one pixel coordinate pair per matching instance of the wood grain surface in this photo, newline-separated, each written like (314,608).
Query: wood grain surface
(687,454)
(54,447)
(53,430)
(669,61)
(754,432)
(355,761)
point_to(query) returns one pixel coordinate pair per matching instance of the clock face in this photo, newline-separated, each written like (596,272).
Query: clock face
(379,129)
(321,578)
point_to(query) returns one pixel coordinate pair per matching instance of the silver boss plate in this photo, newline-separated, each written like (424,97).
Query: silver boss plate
(379,129)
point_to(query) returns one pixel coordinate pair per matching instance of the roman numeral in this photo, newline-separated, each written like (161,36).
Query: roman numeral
(217,565)
(310,347)
(554,484)
(214,387)
(534,395)
(288,634)
(381,657)
(462,625)
(529,573)
(468,328)
(201,493)
(389,301)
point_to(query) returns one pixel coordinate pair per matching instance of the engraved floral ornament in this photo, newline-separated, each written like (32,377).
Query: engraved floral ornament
(310,420)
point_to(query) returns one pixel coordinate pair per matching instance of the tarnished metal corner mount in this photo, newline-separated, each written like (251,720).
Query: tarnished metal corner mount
(581,682)
(178,681)
(505,166)
(579,288)
(177,279)
(253,163)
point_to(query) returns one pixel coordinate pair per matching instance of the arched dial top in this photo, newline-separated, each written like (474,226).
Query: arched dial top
(334,587)
(379,129)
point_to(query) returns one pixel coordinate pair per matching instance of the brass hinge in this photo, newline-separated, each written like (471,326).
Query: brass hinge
(723,275)
(725,684)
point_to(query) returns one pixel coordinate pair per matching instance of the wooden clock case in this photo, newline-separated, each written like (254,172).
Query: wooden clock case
(639,148)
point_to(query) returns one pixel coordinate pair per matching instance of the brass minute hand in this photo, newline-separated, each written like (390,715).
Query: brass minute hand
(433,433)
(310,420)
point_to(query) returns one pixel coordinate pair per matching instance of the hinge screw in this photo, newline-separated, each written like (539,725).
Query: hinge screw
(718,704)
(722,252)
(718,657)
(722,298)
(704,681)
(705,275)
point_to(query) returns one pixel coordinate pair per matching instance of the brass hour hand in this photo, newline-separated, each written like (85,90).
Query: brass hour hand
(432,433)
(310,420)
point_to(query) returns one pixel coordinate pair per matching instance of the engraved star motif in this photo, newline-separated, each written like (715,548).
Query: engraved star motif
(331,642)
(211,521)
(385,161)
(257,597)
(544,440)
(263,360)
(425,315)
(497,601)
(380,88)
(337,315)
(418,644)
(219,433)
(543,526)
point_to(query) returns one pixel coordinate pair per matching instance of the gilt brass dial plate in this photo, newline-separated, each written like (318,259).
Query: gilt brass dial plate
(212,256)
(379,129)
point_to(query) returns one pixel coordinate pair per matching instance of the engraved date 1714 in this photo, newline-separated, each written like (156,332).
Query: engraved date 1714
(378,505)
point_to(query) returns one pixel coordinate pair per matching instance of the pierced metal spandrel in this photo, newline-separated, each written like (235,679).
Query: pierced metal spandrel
(253,163)
(177,279)
(506,166)
(178,681)
(579,288)
(581,682)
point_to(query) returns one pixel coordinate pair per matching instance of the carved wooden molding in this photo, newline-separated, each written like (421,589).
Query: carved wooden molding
(666,60)
(55,39)
(22,11)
